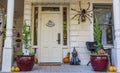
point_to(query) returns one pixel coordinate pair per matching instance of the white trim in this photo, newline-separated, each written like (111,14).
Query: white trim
(39,19)
(32,26)
(61,12)
(91,25)
(116,11)
(49,4)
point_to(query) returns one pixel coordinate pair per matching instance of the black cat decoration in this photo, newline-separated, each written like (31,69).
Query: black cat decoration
(74,59)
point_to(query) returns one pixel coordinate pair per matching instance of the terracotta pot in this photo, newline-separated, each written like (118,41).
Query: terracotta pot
(25,63)
(99,62)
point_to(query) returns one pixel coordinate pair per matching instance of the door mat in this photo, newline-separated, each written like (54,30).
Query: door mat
(49,64)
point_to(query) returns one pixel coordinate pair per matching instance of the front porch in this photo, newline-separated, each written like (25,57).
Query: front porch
(77,34)
(64,68)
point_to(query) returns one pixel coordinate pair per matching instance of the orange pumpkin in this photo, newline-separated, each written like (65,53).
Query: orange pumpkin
(66,60)
(112,68)
(101,51)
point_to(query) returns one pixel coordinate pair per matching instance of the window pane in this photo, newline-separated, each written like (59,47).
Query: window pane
(109,35)
(50,8)
(64,26)
(104,16)
(103,13)
(35,25)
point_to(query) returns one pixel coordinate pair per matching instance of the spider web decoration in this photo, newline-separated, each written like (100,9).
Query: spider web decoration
(83,13)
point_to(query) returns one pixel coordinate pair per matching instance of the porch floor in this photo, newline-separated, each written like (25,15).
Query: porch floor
(64,68)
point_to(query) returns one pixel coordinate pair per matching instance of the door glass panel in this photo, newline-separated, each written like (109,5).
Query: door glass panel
(50,9)
(64,25)
(35,25)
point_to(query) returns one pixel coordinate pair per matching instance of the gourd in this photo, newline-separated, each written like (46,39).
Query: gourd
(12,69)
(15,69)
(112,68)
(35,60)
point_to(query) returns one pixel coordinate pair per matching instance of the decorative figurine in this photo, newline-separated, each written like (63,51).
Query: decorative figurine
(74,59)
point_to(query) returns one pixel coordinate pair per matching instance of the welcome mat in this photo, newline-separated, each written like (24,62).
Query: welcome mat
(49,64)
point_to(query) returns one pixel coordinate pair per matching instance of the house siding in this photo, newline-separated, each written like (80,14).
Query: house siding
(78,33)
(1,36)
(27,11)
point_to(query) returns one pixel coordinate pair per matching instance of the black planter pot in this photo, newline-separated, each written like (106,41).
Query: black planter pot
(99,62)
(25,63)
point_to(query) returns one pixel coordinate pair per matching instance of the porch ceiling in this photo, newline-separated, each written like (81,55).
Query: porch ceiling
(19,5)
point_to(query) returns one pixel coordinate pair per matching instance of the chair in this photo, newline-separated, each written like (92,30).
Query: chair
(90,46)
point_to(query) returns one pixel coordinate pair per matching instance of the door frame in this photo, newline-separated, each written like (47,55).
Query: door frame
(36,47)
(39,33)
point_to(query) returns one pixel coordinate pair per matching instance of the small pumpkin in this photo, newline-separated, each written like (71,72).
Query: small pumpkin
(35,60)
(66,60)
(17,69)
(101,51)
(12,68)
(112,68)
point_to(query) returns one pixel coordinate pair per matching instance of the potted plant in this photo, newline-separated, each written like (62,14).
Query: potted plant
(99,58)
(25,60)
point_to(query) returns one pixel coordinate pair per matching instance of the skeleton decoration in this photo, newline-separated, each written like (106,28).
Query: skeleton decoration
(83,13)
(74,59)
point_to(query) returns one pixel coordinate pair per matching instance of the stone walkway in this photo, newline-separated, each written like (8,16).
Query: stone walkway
(64,68)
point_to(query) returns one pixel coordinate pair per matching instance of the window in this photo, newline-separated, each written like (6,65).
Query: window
(64,26)
(50,9)
(35,25)
(104,15)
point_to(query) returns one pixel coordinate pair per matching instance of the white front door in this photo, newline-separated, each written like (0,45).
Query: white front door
(50,37)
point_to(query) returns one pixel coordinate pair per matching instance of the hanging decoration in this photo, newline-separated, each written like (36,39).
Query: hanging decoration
(50,23)
(83,13)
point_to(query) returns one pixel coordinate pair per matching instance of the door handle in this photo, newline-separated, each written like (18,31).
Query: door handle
(59,38)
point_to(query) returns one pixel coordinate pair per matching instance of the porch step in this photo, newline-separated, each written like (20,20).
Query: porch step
(50,64)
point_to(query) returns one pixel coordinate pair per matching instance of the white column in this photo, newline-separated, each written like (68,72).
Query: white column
(116,9)
(8,45)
